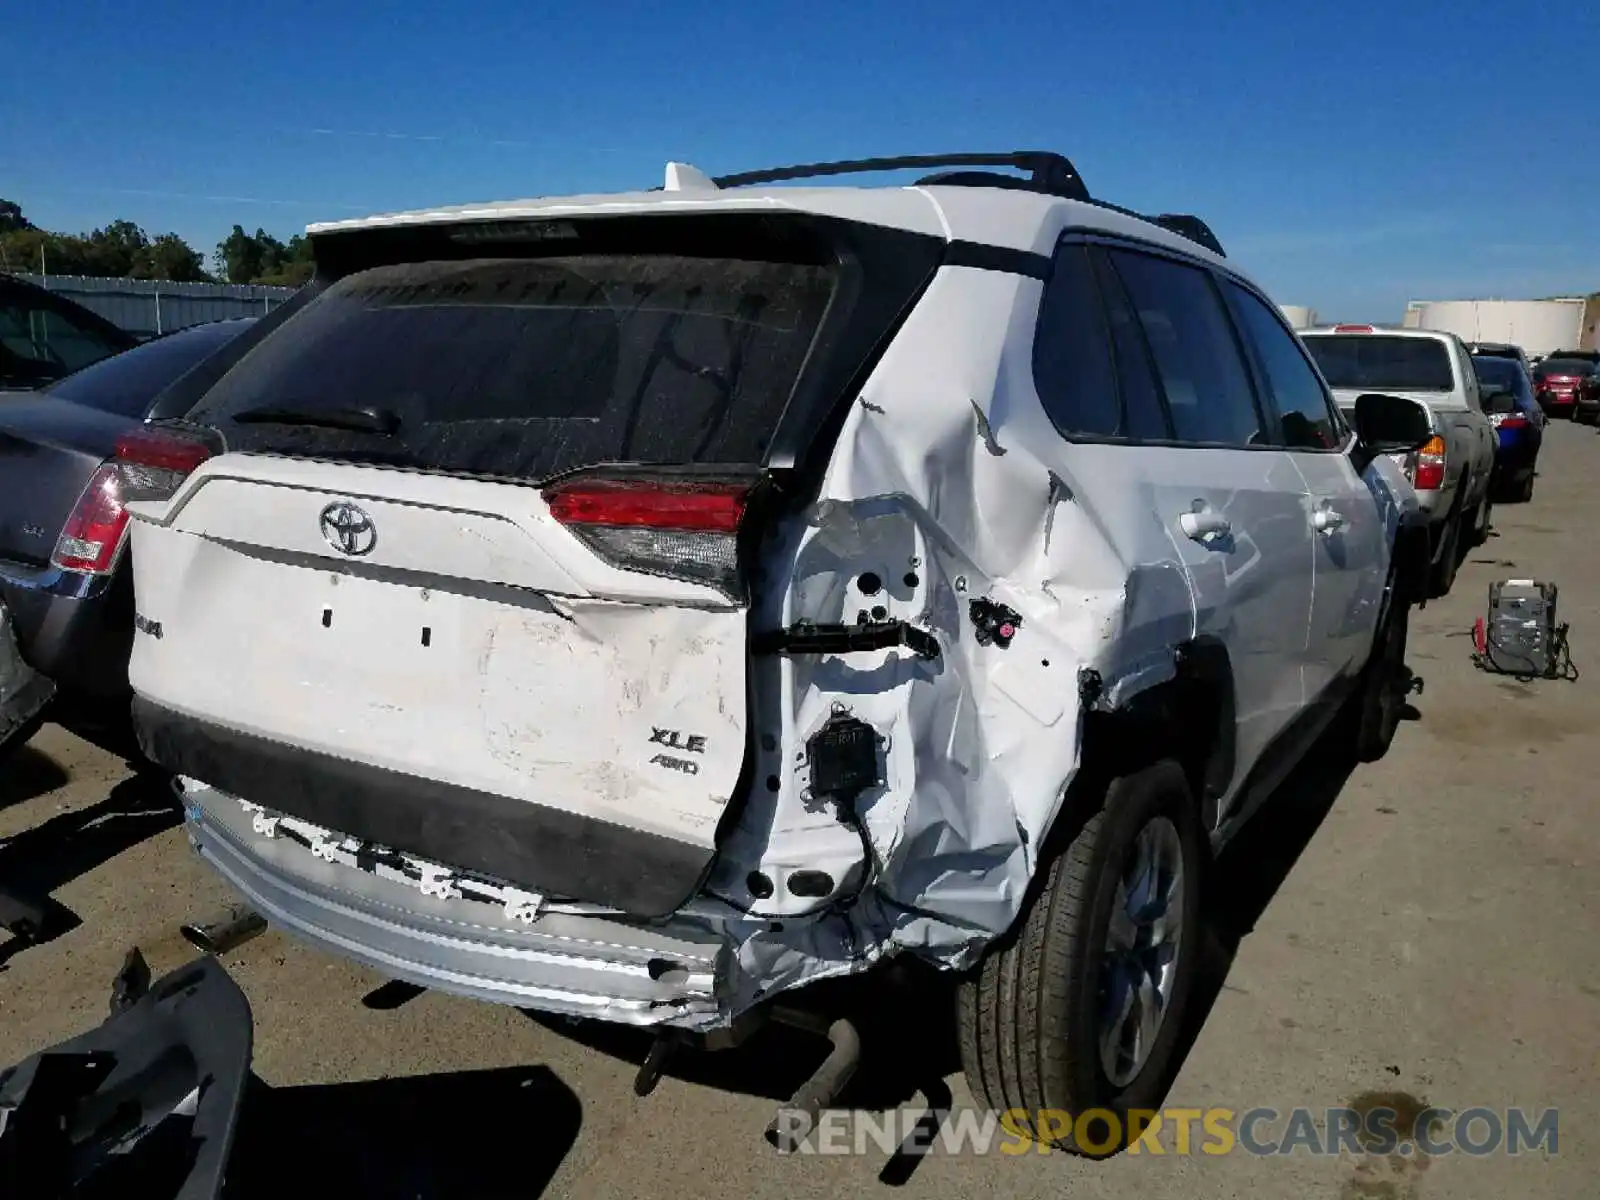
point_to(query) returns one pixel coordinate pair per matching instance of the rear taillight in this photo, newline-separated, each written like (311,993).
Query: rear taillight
(1426,468)
(150,464)
(1513,421)
(93,534)
(678,529)
(153,462)
(1353,329)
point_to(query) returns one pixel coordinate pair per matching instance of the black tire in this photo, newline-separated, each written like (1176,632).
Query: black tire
(1381,692)
(1029,1016)
(1442,576)
(1482,516)
(1525,487)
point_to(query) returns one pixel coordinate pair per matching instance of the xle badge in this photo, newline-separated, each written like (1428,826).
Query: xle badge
(674,739)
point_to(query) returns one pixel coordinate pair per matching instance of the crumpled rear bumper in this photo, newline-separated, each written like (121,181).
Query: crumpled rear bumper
(576,965)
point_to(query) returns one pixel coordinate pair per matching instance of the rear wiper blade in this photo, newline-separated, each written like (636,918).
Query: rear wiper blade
(367,419)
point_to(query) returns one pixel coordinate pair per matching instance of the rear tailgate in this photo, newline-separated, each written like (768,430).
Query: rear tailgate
(503,627)
(472,648)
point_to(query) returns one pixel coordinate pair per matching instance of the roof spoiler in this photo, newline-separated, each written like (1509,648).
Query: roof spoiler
(1046,172)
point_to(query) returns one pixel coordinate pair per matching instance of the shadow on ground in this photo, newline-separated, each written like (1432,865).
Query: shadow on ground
(484,1134)
(1254,865)
(38,861)
(906,1017)
(26,773)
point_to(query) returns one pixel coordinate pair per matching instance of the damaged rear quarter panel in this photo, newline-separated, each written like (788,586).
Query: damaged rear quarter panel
(948,484)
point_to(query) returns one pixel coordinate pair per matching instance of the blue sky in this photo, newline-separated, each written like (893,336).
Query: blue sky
(1351,155)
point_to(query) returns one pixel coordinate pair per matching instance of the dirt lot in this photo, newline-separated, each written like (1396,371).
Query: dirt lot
(1429,925)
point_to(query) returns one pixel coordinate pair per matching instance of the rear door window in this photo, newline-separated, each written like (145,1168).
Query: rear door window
(39,344)
(1203,378)
(529,367)
(1305,415)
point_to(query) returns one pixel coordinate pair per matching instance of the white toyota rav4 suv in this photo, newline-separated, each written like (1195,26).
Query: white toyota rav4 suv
(639,606)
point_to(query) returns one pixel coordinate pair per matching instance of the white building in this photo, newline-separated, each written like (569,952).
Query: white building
(1538,326)
(1298,315)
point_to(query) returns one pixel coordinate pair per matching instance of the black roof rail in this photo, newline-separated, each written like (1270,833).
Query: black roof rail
(1189,226)
(1185,225)
(1048,171)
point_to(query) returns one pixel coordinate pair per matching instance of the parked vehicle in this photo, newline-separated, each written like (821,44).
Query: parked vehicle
(1587,409)
(1518,422)
(1452,473)
(639,607)
(1500,350)
(66,595)
(1558,381)
(44,337)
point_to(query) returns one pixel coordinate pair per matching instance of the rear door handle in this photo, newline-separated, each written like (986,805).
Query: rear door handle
(1202,523)
(1327,519)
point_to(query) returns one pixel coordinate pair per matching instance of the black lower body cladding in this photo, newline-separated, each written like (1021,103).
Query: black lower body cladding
(528,845)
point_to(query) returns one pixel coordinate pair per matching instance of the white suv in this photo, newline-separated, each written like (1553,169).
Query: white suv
(640,606)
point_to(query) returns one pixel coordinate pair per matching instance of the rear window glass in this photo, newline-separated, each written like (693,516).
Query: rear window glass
(1498,372)
(529,367)
(1566,366)
(127,383)
(1374,363)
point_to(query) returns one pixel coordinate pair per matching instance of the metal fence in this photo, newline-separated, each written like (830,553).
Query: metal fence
(146,307)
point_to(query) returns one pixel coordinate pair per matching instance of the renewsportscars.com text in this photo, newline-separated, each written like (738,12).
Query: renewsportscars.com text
(1431,1132)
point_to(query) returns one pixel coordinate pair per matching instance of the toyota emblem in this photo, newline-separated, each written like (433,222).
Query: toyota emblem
(348,529)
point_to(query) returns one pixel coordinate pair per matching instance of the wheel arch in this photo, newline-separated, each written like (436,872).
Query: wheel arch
(1411,558)
(1190,717)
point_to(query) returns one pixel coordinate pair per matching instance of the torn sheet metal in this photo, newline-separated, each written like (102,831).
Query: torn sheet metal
(948,496)
(24,692)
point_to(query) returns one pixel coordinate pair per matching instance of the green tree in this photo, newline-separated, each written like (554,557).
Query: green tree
(295,266)
(32,249)
(261,258)
(238,256)
(112,252)
(170,257)
(11,218)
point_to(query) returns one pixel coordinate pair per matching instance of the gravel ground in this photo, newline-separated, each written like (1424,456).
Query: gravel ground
(1426,926)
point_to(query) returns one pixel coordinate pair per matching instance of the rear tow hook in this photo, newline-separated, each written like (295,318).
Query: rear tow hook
(655,1062)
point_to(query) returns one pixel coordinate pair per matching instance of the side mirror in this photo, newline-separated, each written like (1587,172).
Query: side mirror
(1391,424)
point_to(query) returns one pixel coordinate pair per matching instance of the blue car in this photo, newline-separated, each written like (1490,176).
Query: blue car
(1508,400)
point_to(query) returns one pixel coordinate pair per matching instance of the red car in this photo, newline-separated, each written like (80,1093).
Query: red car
(1559,380)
